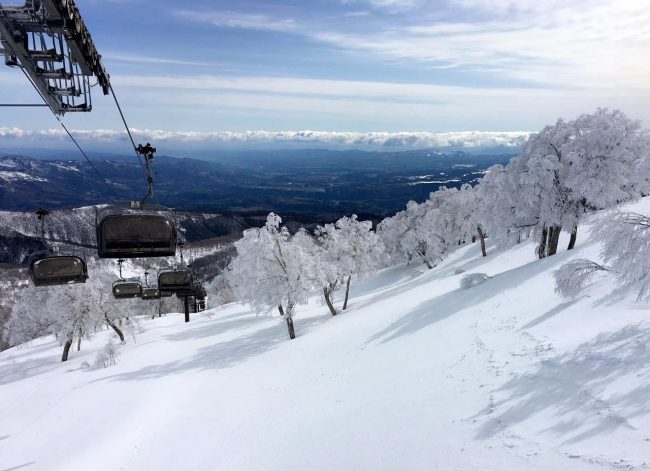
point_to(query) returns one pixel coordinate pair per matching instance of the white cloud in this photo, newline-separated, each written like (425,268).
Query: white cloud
(466,140)
(390,5)
(146,59)
(417,92)
(231,19)
(592,43)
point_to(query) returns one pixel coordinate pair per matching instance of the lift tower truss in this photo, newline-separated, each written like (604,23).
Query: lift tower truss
(50,42)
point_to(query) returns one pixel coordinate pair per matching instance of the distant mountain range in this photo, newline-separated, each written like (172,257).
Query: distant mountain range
(216,199)
(314,184)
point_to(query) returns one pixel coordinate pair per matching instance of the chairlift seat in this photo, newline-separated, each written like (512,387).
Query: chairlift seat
(150,293)
(50,270)
(136,234)
(127,289)
(174,281)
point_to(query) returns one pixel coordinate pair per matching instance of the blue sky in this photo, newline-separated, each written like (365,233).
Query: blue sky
(195,70)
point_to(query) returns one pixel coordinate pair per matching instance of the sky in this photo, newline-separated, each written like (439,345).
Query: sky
(389,72)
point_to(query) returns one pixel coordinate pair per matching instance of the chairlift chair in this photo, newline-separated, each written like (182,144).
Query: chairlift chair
(56,265)
(127,289)
(175,280)
(48,268)
(150,293)
(138,230)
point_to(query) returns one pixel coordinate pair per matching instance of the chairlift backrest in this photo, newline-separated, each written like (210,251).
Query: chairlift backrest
(127,289)
(175,280)
(130,235)
(49,270)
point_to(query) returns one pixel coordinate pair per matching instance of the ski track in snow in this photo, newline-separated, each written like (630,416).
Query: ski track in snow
(417,374)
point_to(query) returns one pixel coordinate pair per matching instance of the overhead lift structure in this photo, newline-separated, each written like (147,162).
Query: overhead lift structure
(49,41)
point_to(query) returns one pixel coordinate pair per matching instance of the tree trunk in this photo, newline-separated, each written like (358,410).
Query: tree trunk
(289,320)
(117,330)
(292,332)
(327,292)
(553,239)
(281,309)
(574,236)
(66,349)
(481,238)
(347,292)
(541,248)
(186,303)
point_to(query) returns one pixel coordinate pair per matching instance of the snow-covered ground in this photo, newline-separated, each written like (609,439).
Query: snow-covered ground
(418,374)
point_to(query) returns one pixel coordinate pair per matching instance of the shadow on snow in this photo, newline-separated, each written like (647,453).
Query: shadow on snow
(573,388)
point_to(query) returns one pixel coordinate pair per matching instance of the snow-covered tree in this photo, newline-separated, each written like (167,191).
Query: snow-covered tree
(625,239)
(572,277)
(70,312)
(574,167)
(348,248)
(392,233)
(275,269)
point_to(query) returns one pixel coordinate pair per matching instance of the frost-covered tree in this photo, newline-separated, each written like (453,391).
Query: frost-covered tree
(625,239)
(392,232)
(464,206)
(274,269)
(348,248)
(473,279)
(429,230)
(507,210)
(572,277)
(65,311)
(71,311)
(571,168)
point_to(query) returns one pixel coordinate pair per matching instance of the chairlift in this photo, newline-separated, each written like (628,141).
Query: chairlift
(151,293)
(48,269)
(175,280)
(143,232)
(127,289)
(139,229)
(56,265)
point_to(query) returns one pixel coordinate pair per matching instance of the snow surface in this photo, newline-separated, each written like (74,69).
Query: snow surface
(17,176)
(417,375)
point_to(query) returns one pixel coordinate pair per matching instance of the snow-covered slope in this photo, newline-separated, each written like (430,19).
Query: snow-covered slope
(417,374)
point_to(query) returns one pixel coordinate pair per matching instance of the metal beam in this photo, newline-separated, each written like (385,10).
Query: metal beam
(20,51)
